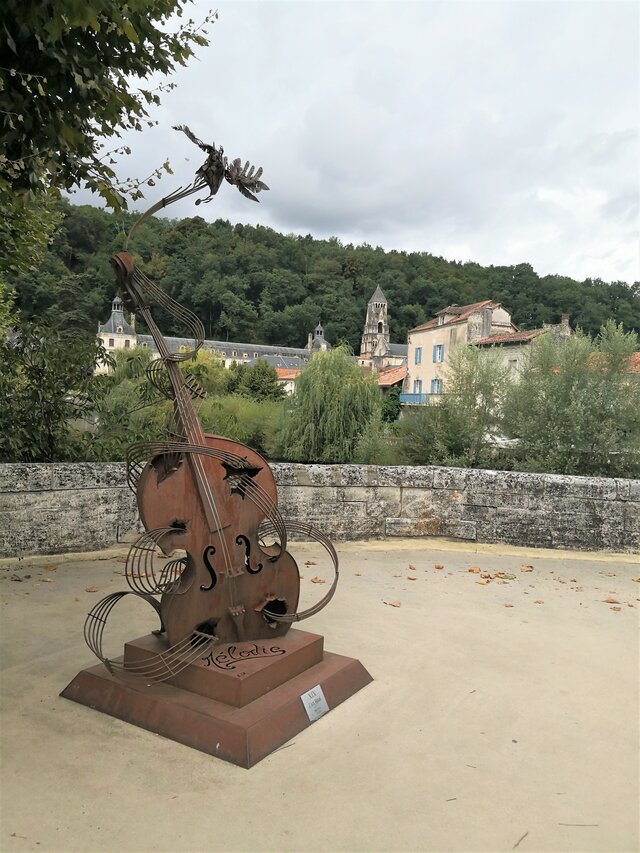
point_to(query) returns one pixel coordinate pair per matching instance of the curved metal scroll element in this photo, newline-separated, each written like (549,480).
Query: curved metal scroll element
(140,570)
(316,536)
(157,667)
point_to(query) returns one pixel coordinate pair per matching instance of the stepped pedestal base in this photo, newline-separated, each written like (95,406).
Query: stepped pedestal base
(239,703)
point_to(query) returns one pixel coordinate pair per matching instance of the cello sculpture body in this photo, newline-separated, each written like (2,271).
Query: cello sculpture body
(230,584)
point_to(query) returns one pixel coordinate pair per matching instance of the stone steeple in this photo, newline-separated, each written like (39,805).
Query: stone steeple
(375,337)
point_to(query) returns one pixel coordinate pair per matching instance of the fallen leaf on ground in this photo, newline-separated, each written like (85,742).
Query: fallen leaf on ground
(51,568)
(412,568)
(525,568)
(46,580)
(629,604)
(76,599)
(475,569)
(438,566)
(486,575)
(637,580)
(505,576)
(397,574)
(392,603)
(16,578)
(611,601)
(358,574)
(318,580)
(410,578)
(616,608)
(573,580)
(482,583)
(91,589)
(310,563)
(508,605)
(538,601)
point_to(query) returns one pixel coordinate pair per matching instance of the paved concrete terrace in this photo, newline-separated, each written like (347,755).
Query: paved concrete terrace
(503,715)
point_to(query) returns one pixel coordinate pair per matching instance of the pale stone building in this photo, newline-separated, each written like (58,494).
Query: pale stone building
(116,333)
(484,324)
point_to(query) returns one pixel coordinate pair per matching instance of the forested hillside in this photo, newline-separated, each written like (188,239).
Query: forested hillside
(254,284)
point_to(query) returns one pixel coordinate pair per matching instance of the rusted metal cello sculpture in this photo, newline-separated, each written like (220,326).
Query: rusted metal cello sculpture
(209,498)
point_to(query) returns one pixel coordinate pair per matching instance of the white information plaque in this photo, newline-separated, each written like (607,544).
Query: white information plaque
(314,703)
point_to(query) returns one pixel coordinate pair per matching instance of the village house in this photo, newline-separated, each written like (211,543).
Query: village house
(484,324)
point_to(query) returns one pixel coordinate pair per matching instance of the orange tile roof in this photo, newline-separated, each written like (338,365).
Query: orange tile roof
(287,373)
(511,338)
(389,376)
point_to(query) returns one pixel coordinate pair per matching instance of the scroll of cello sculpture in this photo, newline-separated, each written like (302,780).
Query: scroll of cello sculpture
(209,497)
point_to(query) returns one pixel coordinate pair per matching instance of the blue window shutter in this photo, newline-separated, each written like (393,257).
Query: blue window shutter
(434,352)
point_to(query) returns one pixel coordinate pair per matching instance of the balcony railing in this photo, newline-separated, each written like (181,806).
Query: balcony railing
(418,399)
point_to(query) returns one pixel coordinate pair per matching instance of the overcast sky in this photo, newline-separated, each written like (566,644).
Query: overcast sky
(496,132)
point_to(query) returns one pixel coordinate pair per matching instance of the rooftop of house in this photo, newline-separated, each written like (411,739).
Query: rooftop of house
(389,376)
(228,348)
(459,312)
(116,324)
(286,374)
(509,338)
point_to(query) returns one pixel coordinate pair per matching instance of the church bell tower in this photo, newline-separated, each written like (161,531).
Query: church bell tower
(375,337)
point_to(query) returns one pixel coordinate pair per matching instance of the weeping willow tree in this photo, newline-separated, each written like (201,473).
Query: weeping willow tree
(334,402)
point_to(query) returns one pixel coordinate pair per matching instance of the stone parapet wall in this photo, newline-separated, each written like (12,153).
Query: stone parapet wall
(81,507)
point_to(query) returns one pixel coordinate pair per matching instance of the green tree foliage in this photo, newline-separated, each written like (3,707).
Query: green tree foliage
(252,422)
(253,284)
(259,381)
(459,429)
(68,73)
(46,382)
(334,402)
(391,405)
(65,88)
(575,408)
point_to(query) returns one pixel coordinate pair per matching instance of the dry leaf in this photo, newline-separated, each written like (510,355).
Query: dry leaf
(611,601)
(637,580)
(538,601)
(318,580)
(486,575)
(438,566)
(508,605)
(76,599)
(615,608)
(310,563)
(505,576)
(397,575)
(525,568)
(46,580)
(51,568)
(91,589)
(392,603)
(410,578)
(16,578)
(482,583)
(358,574)
(412,568)
(474,569)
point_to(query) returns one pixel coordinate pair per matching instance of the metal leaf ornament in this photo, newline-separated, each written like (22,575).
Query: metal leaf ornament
(215,169)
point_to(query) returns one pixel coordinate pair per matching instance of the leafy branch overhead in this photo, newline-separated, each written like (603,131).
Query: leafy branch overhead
(65,88)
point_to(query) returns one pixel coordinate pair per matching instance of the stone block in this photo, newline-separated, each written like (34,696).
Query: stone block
(25,478)
(383,501)
(412,527)
(449,478)
(458,529)
(632,517)
(89,475)
(559,485)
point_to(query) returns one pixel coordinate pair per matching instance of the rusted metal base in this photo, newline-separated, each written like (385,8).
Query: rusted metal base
(256,718)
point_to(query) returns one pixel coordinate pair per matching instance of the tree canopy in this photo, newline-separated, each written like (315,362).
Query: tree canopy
(253,284)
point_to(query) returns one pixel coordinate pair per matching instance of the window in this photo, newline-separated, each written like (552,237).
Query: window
(145,344)
(234,353)
(112,343)
(255,355)
(245,355)
(417,386)
(438,353)
(119,330)
(379,328)
(441,320)
(418,356)
(436,386)
(127,344)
